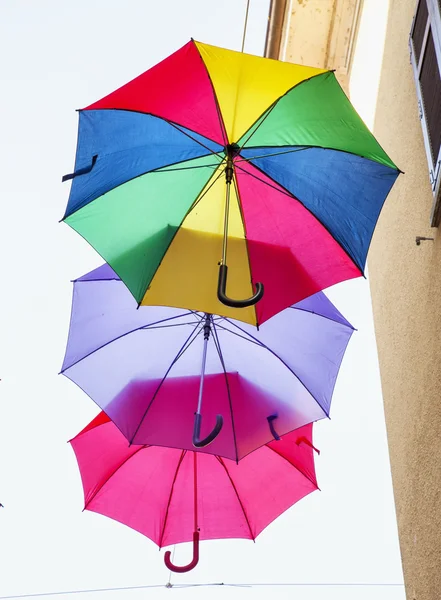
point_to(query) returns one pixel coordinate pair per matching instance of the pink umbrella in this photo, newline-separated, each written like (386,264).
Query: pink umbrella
(172,495)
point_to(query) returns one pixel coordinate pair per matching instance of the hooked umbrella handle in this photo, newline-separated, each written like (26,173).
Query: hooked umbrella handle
(274,433)
(222,291)
(191,565)
(197,442)
(82,171)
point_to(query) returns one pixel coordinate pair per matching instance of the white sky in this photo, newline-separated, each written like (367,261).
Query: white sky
(58,56)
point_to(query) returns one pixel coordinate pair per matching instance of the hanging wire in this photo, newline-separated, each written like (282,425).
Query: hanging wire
(187,585)
(245,26)
(169,583)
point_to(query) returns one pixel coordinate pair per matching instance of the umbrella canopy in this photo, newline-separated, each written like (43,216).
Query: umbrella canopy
(150,368)
(214,157)
(170,494)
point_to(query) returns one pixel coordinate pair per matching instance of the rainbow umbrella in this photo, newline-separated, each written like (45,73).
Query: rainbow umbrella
(214,156)
(172,495)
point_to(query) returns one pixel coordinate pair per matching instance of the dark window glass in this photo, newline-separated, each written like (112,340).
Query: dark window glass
(419,28)
(430,80)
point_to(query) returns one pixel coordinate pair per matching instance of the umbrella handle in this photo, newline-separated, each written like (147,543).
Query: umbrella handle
(82,171)
(191,565)
(198,443)
(222,289)
(304,440)
(274,433)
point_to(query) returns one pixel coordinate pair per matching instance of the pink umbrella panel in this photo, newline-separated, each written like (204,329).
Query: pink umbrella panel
(174,496)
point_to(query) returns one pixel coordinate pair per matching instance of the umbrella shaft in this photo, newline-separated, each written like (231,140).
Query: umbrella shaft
(227,213)
(201,384)
(195,490)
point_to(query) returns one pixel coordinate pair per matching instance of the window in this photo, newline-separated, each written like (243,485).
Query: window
(425,52)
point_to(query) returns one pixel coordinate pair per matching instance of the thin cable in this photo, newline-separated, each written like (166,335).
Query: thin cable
(186,585)
(171,572)
(195,490)
(245,26)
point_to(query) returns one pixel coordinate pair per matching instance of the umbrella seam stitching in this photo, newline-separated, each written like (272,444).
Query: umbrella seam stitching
(230,400)
(284,363)
(199,197)
(183,348)
(101,486)
(281,188)
(311,147)
(301,471)
(216,101)
(237,496)
(140,112)
(181,459)
(114,339)
(156,170)
(270,108)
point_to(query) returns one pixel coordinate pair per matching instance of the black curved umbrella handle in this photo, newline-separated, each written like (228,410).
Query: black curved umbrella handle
(197,442)
(274,433)
(222,289)
(191,565)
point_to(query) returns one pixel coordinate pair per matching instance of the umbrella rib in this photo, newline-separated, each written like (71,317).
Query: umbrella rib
(250,341)
(176,126)
(239,202)
(119,337)
(310,147)
(301,471)
(298,149)
(100,487)
(178,466)
(181,351)
(157,170)
(316,314)
(166,326)
(199,197)
(216,101)
(230,402)
(167,168)
(280,188)
(151,114)
(283,362)
(271,108)
(237,496)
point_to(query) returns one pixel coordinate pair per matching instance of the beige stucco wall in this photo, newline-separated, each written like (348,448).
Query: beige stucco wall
(405,284)
(405,279)
(320,33)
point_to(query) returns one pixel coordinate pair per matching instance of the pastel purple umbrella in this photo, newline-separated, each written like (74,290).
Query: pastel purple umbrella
(156,370)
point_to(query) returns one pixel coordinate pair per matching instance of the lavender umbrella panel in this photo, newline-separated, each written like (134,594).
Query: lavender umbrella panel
(149,368)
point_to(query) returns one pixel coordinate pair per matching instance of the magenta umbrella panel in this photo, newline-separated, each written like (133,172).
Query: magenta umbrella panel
(172,495)
(156,371)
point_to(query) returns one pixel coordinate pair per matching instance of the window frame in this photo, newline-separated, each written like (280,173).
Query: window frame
(433,23)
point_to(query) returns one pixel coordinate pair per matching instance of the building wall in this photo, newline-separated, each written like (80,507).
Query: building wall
(405,279)
(320,33)
(373,64)
(405,282)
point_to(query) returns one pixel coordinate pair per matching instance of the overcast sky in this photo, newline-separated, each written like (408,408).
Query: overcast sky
(58,56)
